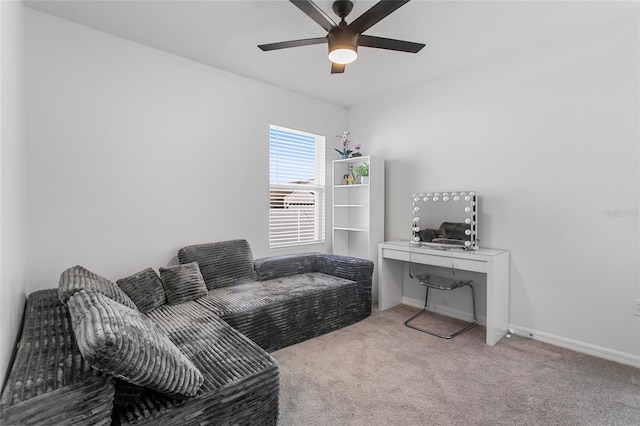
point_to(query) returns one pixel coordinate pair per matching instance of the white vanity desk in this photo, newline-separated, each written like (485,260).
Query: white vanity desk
(492,262)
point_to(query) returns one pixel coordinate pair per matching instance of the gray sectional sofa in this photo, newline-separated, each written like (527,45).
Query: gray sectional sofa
(190,346)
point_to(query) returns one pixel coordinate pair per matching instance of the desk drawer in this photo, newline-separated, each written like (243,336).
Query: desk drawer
(436,260)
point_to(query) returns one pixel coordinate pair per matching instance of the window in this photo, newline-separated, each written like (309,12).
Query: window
(297,188)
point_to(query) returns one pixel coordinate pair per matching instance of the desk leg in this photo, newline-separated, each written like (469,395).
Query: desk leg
(389,282)
(497,298)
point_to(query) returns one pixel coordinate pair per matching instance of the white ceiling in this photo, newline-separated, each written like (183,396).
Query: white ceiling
(225,35)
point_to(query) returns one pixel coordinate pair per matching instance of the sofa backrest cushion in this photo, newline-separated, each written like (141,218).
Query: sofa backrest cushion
(79,278)
(222,263)
(183,283)
(125,343)
(145,289)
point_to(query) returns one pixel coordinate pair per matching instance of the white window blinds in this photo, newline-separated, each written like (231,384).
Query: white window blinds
(297,187)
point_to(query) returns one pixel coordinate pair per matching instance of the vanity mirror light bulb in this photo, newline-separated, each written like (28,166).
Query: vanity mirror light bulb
(445,198)
(467,209)
(428,194)
(416,219)
(435,198)
(472,193)
(425,199)
(437,194)
(416,199)
(416,239)
(467,232)
(416,209)
(456,198)
(454,193)
(467,221)
(467,198)
(467,243)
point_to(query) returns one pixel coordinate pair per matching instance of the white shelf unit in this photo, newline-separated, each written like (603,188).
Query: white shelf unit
(358,210)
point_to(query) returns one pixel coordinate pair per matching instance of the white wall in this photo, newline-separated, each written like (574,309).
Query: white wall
(13,196)
(549,138)
(134,153)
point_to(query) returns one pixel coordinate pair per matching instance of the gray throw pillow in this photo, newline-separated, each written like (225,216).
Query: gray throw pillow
(79,278)
(145,289)
(125,343)
(183,283)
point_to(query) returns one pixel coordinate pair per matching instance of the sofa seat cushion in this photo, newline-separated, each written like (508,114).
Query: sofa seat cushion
(235,370)
(50,382)
(283,311)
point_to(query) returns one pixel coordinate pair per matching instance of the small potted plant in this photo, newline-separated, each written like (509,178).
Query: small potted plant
(344,140)
(362,170)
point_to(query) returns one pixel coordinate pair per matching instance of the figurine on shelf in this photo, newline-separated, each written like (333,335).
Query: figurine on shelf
(351,179)
(356,151)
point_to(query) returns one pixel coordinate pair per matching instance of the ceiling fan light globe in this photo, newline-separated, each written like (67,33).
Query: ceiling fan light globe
(343,56)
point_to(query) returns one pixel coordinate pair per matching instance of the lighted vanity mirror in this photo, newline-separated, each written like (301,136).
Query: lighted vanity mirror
(445,219)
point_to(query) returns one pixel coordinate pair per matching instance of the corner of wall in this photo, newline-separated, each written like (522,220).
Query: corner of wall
(12,178)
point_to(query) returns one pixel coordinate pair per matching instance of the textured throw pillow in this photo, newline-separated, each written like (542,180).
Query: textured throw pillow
(183,283)
(145,289)
(125,343)
(79,278)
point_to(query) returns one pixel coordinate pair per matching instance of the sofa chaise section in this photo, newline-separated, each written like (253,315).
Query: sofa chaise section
(241,380)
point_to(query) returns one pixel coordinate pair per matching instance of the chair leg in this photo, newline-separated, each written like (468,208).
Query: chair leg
(451,336)
(424,310)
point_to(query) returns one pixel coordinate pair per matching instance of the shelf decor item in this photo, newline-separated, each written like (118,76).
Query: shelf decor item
(356,151)
(351,178)
(362,170)
(344,139)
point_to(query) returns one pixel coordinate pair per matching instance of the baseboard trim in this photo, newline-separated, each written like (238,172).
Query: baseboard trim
(443,310)
(575,345)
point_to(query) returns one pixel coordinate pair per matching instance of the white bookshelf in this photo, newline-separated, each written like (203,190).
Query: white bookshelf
(358,210)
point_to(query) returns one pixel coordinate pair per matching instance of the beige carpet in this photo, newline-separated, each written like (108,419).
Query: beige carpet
(379,372)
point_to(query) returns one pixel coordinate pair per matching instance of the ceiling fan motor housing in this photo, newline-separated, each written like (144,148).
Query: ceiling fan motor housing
(342,39)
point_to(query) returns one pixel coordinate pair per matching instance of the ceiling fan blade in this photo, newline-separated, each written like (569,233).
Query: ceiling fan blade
(337,68)
(374,15)
(315,13)
(389,43)
(292,43)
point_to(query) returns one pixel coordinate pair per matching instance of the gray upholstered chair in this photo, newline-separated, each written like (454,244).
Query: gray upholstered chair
(440,283)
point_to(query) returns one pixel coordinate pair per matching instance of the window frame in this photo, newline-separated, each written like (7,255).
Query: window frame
(316,186)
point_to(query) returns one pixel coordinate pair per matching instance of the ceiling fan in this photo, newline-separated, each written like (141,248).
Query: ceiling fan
(344,38)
